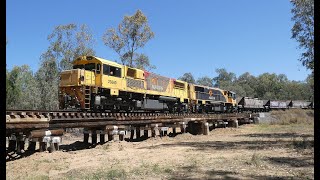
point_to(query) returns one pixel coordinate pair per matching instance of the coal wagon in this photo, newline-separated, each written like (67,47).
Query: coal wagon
(250,104)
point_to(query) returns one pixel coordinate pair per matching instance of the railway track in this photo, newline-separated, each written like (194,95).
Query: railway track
(47,127)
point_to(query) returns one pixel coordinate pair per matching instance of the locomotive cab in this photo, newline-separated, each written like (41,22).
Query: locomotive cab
(231,104)
(232,98)
(78,86)
(84,72)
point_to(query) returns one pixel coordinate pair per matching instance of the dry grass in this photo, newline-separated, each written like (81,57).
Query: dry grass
(100,173)
(293,116)
(255,160)
(302,143)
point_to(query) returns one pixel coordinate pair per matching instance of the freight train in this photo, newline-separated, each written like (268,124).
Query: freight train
(96,84)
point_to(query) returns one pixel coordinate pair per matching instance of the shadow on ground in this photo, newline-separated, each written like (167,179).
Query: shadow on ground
(223,145)
(78,145)
(143,138)
(277,135)
(191,172)
(13,155)
(292,161)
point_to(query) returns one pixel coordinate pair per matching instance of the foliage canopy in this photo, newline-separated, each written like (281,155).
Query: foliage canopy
(132,33)
(303,30)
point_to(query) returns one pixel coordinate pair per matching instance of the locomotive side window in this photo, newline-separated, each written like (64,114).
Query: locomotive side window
(131,72)
(106,69)
(199,92)
(114,71)
(98,68)
(199,89)
(233,95)
(111,71)
(78,66)
(178,85)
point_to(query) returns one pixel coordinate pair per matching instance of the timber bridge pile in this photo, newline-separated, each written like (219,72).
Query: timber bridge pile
(47,127)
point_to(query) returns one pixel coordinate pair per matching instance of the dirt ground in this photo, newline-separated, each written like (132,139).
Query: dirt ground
(254,151)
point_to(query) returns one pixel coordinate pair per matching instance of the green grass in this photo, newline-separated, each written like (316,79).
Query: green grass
(38,177)
(156,169)
(115,173)
(168,170)
(145,169)
(151,169)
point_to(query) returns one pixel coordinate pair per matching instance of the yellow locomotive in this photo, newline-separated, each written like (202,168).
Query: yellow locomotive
(97,84)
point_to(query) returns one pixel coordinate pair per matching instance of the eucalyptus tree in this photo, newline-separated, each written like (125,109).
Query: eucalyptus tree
(131,34)
(224,78)
(48,80)
(29,97)
(13,90)
(69,41)
(187,77)
(22,91)
(142,62)
(303,30)
(205,81)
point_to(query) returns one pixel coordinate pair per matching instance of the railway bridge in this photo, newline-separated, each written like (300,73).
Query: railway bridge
(47,127)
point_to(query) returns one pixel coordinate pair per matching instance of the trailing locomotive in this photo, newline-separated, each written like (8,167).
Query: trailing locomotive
(96,84)
(210,99)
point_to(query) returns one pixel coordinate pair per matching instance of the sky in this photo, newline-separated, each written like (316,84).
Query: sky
(196,36)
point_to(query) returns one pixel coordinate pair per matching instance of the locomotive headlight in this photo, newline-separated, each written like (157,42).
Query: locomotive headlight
(81,78)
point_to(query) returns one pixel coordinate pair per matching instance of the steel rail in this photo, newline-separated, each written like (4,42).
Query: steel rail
(34,119)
